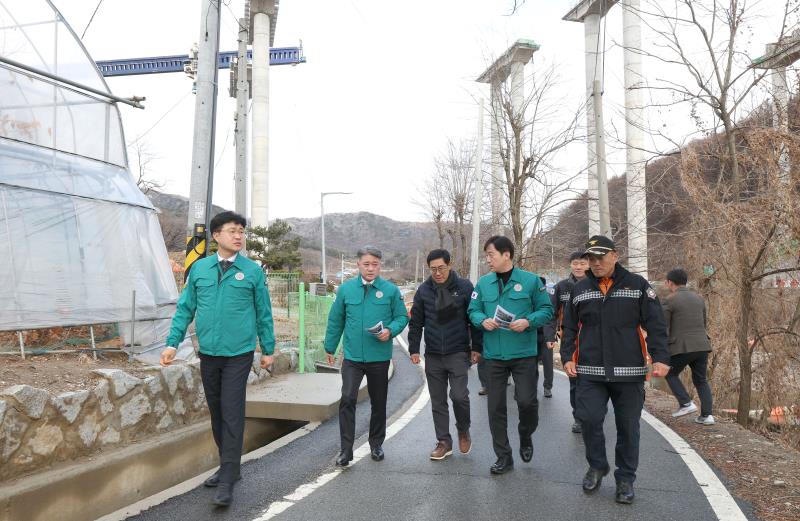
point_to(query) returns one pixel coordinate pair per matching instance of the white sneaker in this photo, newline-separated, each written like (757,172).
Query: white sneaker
(705,420)
(689,408)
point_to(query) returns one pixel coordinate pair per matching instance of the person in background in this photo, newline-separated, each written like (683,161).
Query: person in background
(545,356)
(559,296)
(685,314)
(451,345)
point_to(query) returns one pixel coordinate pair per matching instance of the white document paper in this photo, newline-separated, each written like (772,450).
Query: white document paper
(503,317)
(377,329)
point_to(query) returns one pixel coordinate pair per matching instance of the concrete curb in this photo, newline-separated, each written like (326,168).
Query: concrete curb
(90,489)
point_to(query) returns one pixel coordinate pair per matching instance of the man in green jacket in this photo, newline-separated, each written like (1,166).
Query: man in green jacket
(510,304)
(369,311)
(227,297)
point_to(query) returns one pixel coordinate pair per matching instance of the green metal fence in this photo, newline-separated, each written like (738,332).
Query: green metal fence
(313,313)
(282,286)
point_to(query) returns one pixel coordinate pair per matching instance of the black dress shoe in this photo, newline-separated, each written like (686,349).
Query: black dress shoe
(593,478)
(502,465)
(624,492)
(576,427)
(344,457)
(548,393)
(377,454)
(526,449)
(224,495)
(213,480)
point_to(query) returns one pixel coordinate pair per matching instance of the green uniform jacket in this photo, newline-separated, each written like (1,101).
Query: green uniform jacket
(228,314)
(355,310)
(526,297)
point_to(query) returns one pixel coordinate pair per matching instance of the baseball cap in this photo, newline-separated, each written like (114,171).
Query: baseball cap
(598,245)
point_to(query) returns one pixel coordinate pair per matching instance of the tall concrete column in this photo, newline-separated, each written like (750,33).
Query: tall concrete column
(261,12)
(780,98)
(591,27)
(510,64)
(517,91)
(636,187)
(496,166)
(780,114)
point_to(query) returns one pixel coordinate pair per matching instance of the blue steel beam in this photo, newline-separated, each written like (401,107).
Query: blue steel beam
(176,63)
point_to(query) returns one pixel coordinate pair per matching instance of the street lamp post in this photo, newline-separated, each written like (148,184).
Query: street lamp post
(322,225)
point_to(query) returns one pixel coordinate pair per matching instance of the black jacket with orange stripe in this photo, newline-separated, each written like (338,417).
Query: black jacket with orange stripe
(603,333)
(559,296)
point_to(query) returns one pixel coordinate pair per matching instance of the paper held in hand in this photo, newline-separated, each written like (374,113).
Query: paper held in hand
(503,317)
(377,329)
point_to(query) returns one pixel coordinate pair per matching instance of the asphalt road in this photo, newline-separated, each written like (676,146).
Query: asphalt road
(408,485)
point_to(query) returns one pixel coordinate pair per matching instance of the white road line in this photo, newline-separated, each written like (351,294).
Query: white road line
(717,495)
(396,426)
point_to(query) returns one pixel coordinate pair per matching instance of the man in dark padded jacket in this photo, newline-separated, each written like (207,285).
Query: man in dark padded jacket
(606,321)
(451,345)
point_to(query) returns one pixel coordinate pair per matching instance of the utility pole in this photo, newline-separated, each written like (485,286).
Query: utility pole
(476,204)
(600,149)
(205,112)
(416,269)
(242,96)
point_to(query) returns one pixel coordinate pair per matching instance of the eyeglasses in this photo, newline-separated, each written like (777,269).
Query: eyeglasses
(439,269)
(233,231)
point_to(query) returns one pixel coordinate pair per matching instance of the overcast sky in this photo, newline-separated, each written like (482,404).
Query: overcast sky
(385,85)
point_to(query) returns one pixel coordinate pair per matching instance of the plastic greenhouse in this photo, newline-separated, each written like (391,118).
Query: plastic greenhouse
(76,234)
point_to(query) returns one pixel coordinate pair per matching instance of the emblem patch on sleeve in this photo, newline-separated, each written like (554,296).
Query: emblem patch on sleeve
(651,293)
(474,295)
(552,291)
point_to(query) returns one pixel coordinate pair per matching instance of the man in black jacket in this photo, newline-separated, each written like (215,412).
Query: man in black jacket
(604,347)
(559,296)
(451,345)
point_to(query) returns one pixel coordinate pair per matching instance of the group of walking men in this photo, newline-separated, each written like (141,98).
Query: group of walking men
(609,322)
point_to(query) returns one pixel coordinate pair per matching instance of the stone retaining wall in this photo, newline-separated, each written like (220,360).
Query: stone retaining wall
(38,429)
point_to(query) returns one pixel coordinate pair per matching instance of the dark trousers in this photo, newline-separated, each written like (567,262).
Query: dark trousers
(546,357)
(525,375)
(591,399)
(439,371)
(697,362)
(573,385)
(225,384)
(377,374)
(483,376)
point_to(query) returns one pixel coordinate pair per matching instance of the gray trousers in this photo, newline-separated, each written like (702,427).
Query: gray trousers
(439,371)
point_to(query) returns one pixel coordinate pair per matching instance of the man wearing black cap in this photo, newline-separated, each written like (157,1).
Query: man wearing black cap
(559,296)
(610,308)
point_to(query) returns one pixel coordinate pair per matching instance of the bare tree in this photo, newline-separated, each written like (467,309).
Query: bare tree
(532,137)
(703,61)
(454,173)
(144,160)
(432,201)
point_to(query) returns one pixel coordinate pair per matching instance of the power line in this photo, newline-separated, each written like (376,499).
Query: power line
(91,19)
(159,120)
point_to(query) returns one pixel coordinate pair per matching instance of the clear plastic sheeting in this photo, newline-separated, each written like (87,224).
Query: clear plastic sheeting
(40,111)
(37,168)
(78,237)
(72,261)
